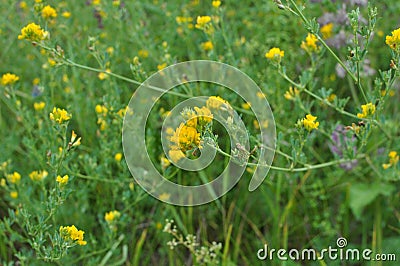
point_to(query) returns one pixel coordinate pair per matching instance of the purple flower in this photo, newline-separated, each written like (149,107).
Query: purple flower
(344,146)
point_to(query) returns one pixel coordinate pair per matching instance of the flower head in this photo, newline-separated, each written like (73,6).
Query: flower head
(207,46)
(111,216)
(32,32)
(215,102)
(60,115)
(275,54)
(291,94)
(38,175)
(176,155)
(48,12)
(62,181)
(367,110)
(310,45)
(394,40)
(71,233)
(202,21)
(14,178)
(216,4)
(38,106)
(393,160)
(118,157)
(185,137)
(327,30)
(204,115)
(8,79)
(309,122)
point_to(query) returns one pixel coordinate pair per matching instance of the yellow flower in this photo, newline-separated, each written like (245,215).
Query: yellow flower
(216,4)
(164,196)
(291,93)
(60,115)
(118,156)
(101,109)
(164,162)
(14,178)
(2,182)
(38,175)
(104,75)
(190,116)
(71,233)
(310,45)
(36,81)
(66,14)
(204,115)
(207,46)
(14,194)
(215,102)
(96,2)
(185,137)
(32,32)
(331,97)
(8,79)
(309,122)
(327,30)
(111,216)
(23,5)
(49,12)
(246,106)
(176,155)
(394,40)
(62,181)
(393,160)
(367,110)
(143,53)
(260,95)
(116,2)
(202,21)
(162,66)
(275,54)
(39,106)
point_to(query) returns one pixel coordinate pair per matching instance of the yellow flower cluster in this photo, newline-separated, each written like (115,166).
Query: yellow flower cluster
(187,135)
(8,79)
(38,106)
(111,216)
(327,30)
(102,111)
(62,181)
(14,178)
(38,175)
(275,54)
(216,4)
(367,110)
(310,45)
(32,32)
(202,21)
(291,94)
(207,46)
(393,160)
(215,102)
(394,40)
(48,12)
(71,233)
(118,157)
(309,122)
(59,115)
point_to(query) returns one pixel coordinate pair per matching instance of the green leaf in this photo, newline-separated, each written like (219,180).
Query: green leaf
(362,194)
